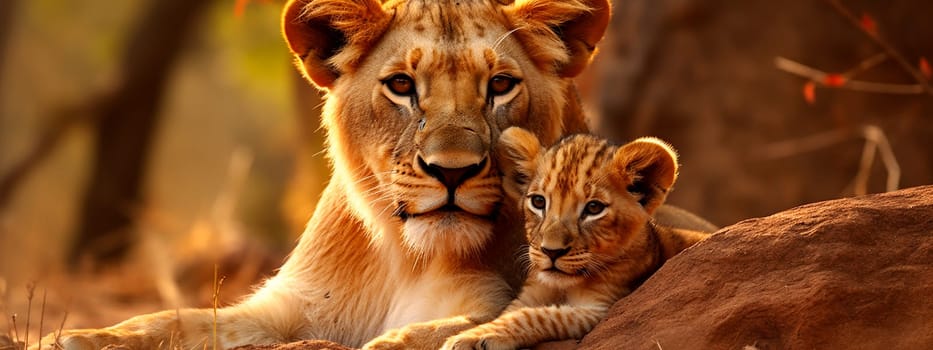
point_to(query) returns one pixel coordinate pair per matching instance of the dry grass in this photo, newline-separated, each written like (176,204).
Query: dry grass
(160,273)
(11,340)
(30,293)
(96,309)
(215,299)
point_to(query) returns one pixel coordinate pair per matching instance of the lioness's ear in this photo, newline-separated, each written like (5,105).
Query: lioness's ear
(652,166)
(560,32)
(330,36)
(518,152)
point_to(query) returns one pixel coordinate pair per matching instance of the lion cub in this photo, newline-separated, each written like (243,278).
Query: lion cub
(588,208)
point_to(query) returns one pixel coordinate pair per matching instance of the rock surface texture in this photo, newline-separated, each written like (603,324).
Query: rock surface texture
(844,274)
(853,273)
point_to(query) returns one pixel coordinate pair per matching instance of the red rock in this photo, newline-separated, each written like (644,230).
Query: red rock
(852,273)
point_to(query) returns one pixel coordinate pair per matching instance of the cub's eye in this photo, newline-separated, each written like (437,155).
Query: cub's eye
(593,208)
(538,201)
(400,84)
(501,84)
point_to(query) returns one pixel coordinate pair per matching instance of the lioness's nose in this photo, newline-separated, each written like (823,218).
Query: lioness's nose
(452,177)
(453,147)
(453,154)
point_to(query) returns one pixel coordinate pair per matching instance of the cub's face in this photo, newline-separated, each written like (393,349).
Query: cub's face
(584,200)
(418,92)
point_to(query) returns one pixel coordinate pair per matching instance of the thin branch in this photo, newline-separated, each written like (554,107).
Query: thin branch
(819,77)
(864,169)
(875,142)
(799,69)
(887,47)
(810,143)
(884,88)
(866,64)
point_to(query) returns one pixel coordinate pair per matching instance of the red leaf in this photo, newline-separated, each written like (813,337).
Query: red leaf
(834,80)
(809,92)
(925,68)
(239,8)
(868,24)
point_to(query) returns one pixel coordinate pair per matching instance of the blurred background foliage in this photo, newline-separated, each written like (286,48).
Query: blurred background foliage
(231,91)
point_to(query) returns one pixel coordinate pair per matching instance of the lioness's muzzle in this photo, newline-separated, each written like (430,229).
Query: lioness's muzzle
(453,154)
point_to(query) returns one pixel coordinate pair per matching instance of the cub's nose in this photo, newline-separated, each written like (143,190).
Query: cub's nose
(452,177)
(555,254)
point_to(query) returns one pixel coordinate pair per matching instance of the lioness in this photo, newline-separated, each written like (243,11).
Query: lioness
(410,234)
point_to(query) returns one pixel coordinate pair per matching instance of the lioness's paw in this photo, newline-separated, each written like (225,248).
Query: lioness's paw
(94,340)
(473,342)
(66,342)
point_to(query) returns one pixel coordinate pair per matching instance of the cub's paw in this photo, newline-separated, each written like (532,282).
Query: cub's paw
(408,337)
(418,336)
(392,340)
(476,342)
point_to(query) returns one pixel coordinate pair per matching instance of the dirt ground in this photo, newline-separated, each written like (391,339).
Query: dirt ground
(62,300)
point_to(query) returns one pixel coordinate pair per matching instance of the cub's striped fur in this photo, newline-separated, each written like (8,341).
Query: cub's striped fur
(588,208)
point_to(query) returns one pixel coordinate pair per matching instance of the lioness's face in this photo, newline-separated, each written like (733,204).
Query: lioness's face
(412,122)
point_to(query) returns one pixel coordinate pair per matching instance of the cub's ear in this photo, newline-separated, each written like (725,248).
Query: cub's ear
(650,164)
(560,33)
(519,152)
(330,37)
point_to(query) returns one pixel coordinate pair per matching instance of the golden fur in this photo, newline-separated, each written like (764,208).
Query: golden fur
(410,239)
(588,208)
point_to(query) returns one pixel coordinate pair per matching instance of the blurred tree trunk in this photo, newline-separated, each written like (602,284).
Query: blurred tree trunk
(8,8)
(124,130)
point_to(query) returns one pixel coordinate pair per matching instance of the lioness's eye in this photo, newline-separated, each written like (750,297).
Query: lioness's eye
(593,208)
(501,84)
(400,84)
(538,201)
